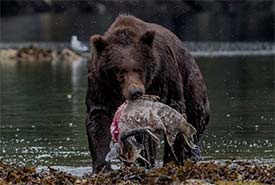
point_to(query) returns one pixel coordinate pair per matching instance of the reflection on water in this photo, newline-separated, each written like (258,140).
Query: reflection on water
(43,110)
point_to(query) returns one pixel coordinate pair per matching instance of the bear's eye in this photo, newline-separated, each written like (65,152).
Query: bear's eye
(122,71)
(120,75)
(138,70)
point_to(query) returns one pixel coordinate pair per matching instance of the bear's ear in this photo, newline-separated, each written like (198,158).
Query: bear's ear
(99,43)
(148,37)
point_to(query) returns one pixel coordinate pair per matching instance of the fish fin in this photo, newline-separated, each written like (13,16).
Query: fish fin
(150,97)
(154,137)
(136,144)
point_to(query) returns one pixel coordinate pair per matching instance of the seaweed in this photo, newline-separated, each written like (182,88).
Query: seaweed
(204,172)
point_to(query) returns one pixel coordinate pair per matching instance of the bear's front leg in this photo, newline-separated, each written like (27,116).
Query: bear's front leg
(99,137)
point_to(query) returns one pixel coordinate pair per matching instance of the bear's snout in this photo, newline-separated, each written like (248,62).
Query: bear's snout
(135,92)
(133,87)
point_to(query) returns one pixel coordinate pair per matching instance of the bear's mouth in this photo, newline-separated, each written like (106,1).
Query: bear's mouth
(132,85)
(133,92)
(136,93)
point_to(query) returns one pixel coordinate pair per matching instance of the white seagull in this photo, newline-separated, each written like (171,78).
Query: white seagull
(77,45)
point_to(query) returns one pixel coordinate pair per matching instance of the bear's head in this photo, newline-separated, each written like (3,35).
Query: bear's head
(125,61)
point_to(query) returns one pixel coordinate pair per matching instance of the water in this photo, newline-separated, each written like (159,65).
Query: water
(42,113)
(216,21)
(241,92)
(43,110)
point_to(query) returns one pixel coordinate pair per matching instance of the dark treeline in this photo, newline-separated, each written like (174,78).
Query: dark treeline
(215,20)
(19,7)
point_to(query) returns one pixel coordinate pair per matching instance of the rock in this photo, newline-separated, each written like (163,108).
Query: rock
(8,54)
(69,55)
(35,54)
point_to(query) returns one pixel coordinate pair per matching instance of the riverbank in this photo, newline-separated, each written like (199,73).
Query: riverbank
(36,53)
(197,49)
(205,172)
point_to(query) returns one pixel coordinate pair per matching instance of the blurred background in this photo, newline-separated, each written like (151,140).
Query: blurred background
(191,20)
(42,104)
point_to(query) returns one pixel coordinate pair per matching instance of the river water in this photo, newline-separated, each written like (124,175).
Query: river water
(43,110)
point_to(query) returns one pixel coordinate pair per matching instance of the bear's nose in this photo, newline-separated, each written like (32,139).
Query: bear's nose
(135,93)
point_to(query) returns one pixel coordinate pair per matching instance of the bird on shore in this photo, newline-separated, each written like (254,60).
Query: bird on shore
(77,45)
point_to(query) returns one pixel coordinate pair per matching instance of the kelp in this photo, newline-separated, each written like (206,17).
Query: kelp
(205,172)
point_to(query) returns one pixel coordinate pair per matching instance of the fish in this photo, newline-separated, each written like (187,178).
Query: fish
(146,116)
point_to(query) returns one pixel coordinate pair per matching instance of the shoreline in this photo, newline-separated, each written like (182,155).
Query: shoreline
(203,172)
(36,53)
(197,49)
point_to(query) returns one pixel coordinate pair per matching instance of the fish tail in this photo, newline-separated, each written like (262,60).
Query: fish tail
(188,135)
(189,141)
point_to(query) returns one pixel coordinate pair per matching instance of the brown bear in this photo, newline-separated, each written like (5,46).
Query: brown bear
(133,58)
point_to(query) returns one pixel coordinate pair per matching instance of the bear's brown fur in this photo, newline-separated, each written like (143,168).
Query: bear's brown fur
(135,57)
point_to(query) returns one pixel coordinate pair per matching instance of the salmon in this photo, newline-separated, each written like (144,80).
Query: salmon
(146,115)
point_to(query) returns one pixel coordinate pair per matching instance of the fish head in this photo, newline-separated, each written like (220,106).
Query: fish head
(131,150)
(127,150)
